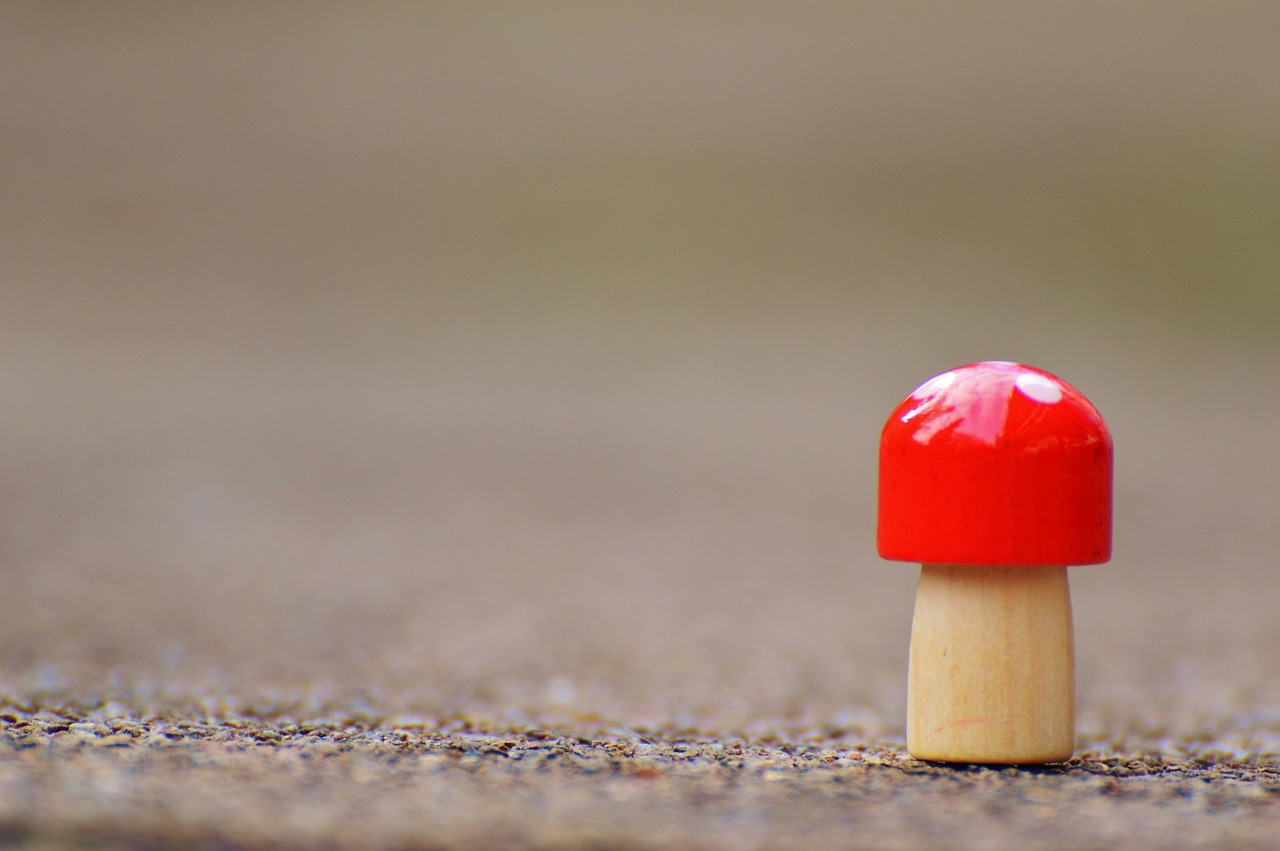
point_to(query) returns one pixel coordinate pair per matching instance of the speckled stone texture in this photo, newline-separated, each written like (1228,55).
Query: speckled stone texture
(486,624)
(71,779)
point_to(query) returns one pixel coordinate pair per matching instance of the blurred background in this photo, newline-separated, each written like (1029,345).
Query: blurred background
(528,361)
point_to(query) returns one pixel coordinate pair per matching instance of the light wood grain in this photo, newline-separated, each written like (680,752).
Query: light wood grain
(992,671)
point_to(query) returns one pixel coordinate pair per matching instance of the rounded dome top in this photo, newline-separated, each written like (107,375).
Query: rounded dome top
(995,463)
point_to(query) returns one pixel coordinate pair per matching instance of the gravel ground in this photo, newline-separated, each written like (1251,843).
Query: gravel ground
(273,634)
(78,776)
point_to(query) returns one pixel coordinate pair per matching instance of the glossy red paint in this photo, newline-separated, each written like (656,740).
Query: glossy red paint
(995,463)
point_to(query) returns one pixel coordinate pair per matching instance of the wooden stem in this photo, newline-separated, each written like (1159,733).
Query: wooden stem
(992,672)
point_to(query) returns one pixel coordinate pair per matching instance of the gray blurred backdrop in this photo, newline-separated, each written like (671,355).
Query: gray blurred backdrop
(529,360)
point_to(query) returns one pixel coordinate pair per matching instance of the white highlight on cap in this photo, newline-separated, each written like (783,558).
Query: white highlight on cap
(1039,388)
(934,385)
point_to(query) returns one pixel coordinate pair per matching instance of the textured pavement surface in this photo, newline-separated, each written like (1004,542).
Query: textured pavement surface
(117,782)
(644,623)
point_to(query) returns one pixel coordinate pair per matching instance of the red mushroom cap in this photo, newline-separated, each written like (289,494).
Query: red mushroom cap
(995,463)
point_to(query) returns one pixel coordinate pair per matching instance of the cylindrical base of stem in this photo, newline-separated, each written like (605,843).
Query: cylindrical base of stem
(992,672)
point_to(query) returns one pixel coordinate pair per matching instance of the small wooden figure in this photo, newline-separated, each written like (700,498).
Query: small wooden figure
(995,476)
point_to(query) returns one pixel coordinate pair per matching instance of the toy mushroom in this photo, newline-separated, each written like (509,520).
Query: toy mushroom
(995,476)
